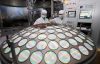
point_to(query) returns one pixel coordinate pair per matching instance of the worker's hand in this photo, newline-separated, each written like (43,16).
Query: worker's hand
(42,25)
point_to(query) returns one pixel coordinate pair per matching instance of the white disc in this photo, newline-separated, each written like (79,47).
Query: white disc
(50,27)
(83,50)
(88,46)
(30,28)
(73,32)
(56,26)
(75,54)
(73,42)
(36,57)
(26,34)
(78,39)
(50,58)
(52,37)
(24,55)
(5,45)
(59,30)
(41,45)
(68,34)
(68,28)
(33,36)
(89,39)
(10,55)
(7,50)
(90,42)
(42,36)
(51,31)
(31,44)
(53,45)
(35,30)
(22,32)
(17,50)
(81,36)
(62,36)
(64,57)
(65,29)
(42,31)
(22,42)
(14,35)
(64,44)
(17,39)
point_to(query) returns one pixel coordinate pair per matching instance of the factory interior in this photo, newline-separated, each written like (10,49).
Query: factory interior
(49,31)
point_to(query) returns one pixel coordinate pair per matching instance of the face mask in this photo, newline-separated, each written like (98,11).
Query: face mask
(61,16)
(43,16)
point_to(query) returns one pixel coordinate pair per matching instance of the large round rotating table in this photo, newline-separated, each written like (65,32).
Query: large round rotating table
(54,44)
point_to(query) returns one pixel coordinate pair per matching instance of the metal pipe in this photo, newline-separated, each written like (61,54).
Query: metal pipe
(11,45)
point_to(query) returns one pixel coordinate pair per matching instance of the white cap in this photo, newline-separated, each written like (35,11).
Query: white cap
(43,11)
(61,12)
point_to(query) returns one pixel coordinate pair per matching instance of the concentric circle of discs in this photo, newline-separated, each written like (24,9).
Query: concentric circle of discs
(50,45)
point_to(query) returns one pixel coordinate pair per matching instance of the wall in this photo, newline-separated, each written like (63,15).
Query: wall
(96,23)
(95,19)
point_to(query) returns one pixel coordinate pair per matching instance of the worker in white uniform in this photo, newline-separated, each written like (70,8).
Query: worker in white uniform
(60,19)
(43,18)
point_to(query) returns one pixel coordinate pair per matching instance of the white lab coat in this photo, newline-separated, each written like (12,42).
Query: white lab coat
(41,20)
(59,21)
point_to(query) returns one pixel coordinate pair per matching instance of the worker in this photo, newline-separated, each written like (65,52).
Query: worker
(43,18)
(60,19)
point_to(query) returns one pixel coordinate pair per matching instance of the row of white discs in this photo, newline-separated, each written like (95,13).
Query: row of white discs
(63,56)
(52,44)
